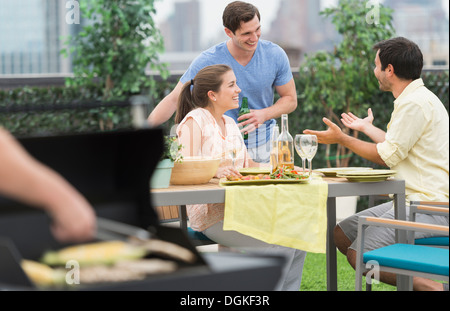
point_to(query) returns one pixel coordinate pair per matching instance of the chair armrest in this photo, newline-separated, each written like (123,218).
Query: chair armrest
(403,225)
(431,203)
(430,208)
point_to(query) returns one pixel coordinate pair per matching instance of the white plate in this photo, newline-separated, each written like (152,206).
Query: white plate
(367,173)
(373,178)
(332,171)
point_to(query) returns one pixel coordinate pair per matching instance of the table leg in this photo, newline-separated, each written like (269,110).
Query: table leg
(183,217)
(371,200)
(331,247)
(400,213)
(404,283)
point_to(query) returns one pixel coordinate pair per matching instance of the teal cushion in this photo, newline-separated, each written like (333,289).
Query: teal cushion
(196,235)
(411,257)
(436,241)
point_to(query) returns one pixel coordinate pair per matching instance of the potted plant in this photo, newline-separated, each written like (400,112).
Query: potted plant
(163,171)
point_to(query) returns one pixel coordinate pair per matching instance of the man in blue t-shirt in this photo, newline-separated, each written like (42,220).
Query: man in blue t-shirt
(260,67)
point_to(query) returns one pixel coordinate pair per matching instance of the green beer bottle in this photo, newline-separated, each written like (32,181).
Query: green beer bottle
(243,110)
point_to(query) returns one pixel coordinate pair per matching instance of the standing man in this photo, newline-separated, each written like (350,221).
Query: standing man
(260,67)
(416,145)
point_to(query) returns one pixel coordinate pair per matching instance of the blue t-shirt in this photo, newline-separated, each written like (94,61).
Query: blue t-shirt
(269,67)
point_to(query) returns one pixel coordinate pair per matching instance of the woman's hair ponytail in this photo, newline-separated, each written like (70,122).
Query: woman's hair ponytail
(185,103)
(207,79)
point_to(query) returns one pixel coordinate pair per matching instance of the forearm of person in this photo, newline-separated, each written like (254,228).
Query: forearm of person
(377,135)
(284,105)
(166,108)
(364,149)
(287,102)
(25,179)
(162,112)
(73,218)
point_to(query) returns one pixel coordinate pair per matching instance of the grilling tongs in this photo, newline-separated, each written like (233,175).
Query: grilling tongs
(108,229)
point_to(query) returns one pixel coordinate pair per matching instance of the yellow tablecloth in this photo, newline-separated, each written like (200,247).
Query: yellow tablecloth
(292,215)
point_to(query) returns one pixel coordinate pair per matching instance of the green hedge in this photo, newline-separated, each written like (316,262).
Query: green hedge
(36,111)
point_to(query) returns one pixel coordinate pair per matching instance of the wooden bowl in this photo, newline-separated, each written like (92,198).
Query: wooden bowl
(194,171)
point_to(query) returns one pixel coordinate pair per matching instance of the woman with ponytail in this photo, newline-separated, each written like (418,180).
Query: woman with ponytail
(203,130)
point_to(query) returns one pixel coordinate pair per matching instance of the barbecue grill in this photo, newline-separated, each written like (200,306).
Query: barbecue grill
(112,170)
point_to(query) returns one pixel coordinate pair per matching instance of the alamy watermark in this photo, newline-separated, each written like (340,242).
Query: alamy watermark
(73,14)
(373,273)
(373,16)
(73,275)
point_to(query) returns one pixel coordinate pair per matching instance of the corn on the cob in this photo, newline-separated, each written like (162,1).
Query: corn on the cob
(94,253)
(42,275)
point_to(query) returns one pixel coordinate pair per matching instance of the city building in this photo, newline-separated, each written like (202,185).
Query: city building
(299,29)
(32,35)
(425,23)
(181,31)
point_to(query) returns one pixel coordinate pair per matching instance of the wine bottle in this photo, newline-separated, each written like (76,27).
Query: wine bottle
(243,110)
(285,145)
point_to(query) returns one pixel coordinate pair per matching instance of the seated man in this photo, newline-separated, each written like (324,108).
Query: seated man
(416,145)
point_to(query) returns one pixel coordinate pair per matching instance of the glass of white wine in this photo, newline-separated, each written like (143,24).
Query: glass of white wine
(299,150)
(234,144)
(274,148)
(308,145)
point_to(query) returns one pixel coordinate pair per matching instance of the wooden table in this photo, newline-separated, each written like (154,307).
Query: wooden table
(212,192)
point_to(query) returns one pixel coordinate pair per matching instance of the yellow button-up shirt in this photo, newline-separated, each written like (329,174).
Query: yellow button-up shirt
(417,143)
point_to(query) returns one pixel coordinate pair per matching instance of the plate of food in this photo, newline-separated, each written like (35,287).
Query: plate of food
(278,177)
(254,170)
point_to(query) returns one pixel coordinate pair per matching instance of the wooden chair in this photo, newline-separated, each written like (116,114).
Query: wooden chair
(403,259)
(423,207)
(430,208)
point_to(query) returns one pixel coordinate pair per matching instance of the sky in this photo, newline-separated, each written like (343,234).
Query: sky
(211,12)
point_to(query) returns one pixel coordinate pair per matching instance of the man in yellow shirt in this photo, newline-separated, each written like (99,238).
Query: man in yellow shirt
(416,145)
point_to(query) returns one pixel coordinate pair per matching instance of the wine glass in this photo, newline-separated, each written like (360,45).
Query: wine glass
(274,148)
(308,145)
(234,144)
(300,152)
